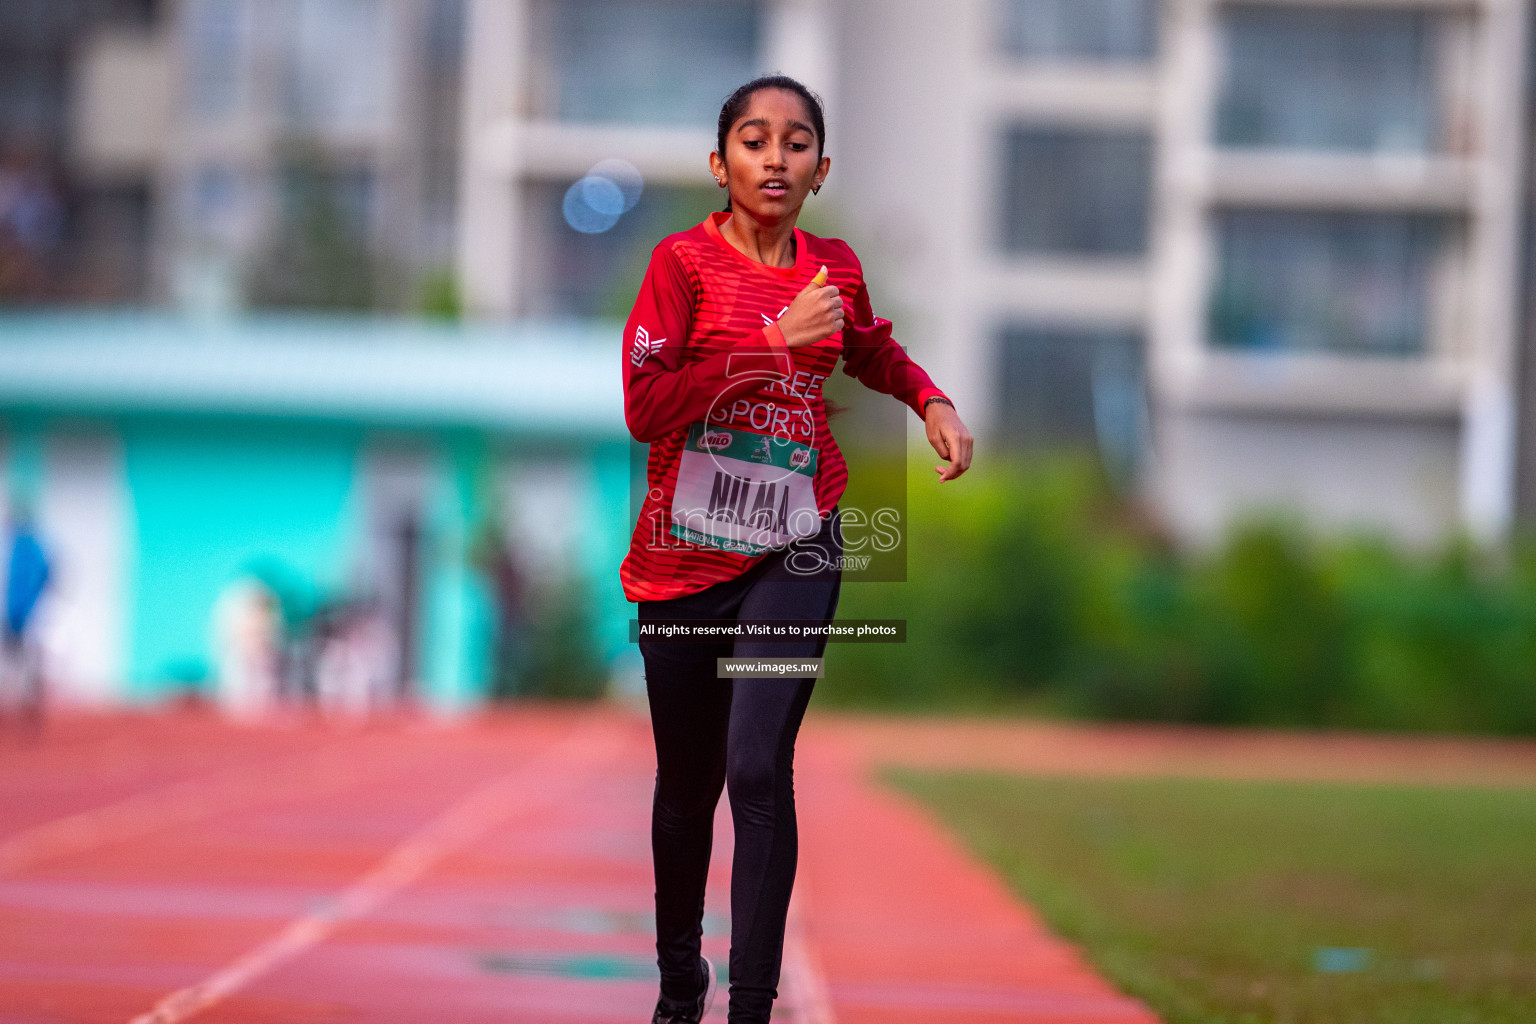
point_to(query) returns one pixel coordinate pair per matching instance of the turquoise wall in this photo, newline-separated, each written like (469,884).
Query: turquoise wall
(24,459)
(213,502)
(606,535)
(458,633)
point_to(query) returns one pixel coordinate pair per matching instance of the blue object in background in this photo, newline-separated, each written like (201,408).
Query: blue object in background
(26,577)
(1340,959)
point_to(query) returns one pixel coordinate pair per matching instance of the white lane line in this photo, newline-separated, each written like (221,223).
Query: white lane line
(335,765)
(532,785)
(804,982)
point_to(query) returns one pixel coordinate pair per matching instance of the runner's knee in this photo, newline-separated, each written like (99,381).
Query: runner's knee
(756,780)
(683,798)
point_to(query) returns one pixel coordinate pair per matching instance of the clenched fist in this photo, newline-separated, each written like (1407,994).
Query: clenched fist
(815,315)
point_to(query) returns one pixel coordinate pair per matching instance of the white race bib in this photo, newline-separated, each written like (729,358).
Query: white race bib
(744,492)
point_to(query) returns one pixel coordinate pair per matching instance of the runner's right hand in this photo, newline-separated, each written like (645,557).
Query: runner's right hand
(814,315)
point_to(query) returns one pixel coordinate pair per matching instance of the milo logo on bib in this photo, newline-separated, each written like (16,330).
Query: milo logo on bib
(744,492)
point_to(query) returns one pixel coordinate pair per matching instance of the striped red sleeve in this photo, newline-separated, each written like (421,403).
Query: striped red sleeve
(663,391)
(873,358)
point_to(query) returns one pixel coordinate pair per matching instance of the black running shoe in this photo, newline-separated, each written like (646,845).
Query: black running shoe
(668,1014)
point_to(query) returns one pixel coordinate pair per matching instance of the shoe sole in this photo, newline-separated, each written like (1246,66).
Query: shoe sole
(709,991)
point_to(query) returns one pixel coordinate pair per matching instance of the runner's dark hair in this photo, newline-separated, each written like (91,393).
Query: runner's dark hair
(736,105)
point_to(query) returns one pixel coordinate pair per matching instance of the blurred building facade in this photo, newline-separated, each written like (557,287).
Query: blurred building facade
(277,153)
(1256,254)
(1525,381)
(1251,253)
(1266,251)
(552,89)
(66,234)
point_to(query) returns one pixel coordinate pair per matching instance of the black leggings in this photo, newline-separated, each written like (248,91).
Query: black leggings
(740,734)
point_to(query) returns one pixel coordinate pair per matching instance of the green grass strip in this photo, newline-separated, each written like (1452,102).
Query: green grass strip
(1228,902)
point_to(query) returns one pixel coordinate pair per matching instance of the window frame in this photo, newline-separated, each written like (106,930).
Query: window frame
(1010,130)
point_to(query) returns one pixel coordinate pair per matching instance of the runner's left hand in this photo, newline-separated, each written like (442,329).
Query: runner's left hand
(949,438)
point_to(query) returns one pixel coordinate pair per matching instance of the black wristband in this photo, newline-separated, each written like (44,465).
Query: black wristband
(936,398)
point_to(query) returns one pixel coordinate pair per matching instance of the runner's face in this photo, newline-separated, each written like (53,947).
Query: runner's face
(771,159)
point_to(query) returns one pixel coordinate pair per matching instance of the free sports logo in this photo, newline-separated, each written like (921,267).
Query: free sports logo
(644,346)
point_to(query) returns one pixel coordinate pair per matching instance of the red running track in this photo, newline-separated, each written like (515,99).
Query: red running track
(155,869)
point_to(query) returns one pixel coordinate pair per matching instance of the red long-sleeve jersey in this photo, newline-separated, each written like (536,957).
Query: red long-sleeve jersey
(742,459)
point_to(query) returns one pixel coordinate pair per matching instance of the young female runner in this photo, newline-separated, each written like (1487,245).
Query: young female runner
(738,322)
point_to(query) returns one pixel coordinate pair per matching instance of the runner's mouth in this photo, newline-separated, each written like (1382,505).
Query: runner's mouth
(775,187)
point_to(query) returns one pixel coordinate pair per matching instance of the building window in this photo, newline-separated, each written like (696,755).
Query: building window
(36,39)
(597,273)
(318,253)
(32,99)
(112,238)
(642,61)
(217,204)
(444,42)
(140,13)
(1086,30)
(216,36)
(315,197)
(1313,78)
(28,24)
(1074,388)
(1338,282)
(1076,193)
(336,81)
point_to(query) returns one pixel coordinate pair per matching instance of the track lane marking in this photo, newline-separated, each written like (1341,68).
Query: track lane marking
(529,787)
(804,979)
(336,764)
